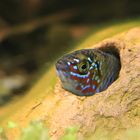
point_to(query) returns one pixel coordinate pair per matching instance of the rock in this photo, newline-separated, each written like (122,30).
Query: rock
(111,112)
(106,115)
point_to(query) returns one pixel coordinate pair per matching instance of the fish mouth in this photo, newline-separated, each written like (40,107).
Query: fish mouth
(66,81)
(62,70)
(58,65)
(62,76)
(61,65)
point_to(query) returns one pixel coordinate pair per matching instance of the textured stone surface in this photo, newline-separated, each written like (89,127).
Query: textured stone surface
(112,111)
(106,115)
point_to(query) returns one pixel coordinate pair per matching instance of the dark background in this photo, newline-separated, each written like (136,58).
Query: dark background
(85,11)
(33,33)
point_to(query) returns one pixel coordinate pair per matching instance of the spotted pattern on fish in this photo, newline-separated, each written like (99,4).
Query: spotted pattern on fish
(88,71)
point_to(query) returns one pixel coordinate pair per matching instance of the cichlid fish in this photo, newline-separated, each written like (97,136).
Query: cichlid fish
(88,71)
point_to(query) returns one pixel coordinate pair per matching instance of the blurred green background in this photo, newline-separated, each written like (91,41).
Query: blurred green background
(33,33)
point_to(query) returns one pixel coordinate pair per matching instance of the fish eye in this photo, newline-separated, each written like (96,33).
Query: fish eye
(83,67)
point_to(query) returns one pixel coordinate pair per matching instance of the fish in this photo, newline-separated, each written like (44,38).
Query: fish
(87,71)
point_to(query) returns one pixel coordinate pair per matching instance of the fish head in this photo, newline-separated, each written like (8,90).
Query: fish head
(79,72)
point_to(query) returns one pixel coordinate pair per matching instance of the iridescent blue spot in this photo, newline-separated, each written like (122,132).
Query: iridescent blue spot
(68,63)
(94,87)
(77,60)
(97,90)
(95,65)
(86,87)
(75,67)
(89,59)
(87,80)
(78,75)
(91,68)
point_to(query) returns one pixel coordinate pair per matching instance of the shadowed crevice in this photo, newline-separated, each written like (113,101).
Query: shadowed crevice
(113,49)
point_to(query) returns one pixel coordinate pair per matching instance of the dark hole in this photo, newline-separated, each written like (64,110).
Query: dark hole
(112,49)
